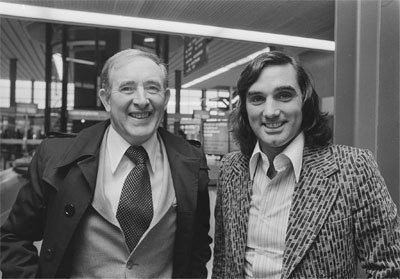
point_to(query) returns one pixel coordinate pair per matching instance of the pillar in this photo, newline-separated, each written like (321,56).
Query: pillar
(367,82)
(48,71)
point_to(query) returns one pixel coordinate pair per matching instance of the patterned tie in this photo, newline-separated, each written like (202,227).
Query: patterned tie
(135,208)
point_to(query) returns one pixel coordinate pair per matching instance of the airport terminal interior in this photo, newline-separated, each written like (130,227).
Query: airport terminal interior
(52,53)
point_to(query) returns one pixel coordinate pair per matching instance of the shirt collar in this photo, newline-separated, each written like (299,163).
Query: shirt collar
(117,146)
(293,152)
(254,159)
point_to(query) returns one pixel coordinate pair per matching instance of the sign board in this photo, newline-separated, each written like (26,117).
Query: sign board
(96,115)
(195,54)
(26,108)
(216,138)
(202,114)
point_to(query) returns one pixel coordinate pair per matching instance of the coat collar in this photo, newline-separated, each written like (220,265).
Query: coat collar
(84,149)
(87,143)
(313,198)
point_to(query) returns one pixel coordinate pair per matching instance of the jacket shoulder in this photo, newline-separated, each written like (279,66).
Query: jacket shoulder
(234,163)
(352,161)
(55,146)
(350,154)
(234,157)
(337,152)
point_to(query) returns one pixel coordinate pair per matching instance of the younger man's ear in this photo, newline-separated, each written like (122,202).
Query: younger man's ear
(105,99)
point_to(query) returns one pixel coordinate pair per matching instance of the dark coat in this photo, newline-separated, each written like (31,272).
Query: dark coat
(63,176)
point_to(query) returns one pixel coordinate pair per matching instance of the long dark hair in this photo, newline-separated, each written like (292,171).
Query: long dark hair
(314,125)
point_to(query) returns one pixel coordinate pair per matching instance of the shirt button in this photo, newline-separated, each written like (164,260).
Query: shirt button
(130,264)
(69,210)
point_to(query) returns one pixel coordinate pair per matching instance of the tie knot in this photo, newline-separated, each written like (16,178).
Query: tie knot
(271,171)
(137,154)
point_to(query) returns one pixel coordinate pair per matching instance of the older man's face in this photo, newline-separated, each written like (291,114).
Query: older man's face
(137,100)
(274,107)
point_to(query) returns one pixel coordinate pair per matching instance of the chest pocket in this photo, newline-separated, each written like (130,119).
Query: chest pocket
(333,250)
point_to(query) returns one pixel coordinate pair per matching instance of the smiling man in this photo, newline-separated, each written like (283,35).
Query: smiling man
(122,199)
(289,203)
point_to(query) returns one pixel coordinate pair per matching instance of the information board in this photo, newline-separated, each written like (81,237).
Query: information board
(195,54)
(26,108)
(216,138)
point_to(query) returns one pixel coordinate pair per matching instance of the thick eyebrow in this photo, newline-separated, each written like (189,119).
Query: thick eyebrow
(125,83)
(285,88)
(154,82)
(253,92)
(133,83)
(277,89)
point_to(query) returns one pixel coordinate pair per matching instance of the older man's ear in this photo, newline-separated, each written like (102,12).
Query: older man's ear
(104,96)
(167,96)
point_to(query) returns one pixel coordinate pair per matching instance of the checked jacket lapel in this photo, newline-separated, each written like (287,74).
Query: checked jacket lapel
(313,198)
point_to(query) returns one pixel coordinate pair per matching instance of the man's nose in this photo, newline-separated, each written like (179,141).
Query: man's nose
(140,97)
(271,109)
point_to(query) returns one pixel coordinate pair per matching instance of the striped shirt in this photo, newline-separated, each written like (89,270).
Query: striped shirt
(269,209)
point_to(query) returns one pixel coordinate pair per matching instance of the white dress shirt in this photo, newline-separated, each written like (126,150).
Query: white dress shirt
(269,209)
(114,166)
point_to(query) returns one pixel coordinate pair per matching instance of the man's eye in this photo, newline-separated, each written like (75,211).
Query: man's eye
(285,96)
(153,89)
(256,99)
(127,89)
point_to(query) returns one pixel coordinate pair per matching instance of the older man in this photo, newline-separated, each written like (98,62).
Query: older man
(123,199)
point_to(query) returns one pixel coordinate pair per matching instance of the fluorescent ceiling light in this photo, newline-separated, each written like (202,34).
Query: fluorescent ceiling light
(85,43)
(81,61)
(57,58)
(149,40)
(225,68)
(163,26)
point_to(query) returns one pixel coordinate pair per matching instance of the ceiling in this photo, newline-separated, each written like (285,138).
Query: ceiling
(310,18)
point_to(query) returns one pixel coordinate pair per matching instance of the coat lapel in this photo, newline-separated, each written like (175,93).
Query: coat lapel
(237,190)
(184,171)
(312,200)
(242,208)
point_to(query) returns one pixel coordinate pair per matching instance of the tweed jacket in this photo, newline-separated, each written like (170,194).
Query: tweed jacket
(341,212)
(63,176)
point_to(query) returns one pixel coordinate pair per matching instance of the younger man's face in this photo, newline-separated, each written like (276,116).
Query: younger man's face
(274,107)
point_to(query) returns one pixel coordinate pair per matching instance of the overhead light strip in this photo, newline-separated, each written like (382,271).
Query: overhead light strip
(225,68)
(163,26)
(57,58)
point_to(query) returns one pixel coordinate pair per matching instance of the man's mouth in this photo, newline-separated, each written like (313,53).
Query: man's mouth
(274,125)
(140,115)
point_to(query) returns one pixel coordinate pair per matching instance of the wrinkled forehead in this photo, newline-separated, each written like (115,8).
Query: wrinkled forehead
(121,62)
